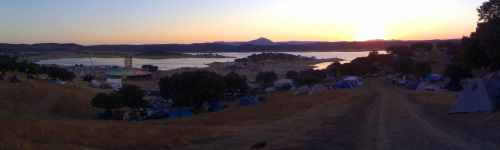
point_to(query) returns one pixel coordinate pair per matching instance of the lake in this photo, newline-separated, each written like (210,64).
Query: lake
(175,63)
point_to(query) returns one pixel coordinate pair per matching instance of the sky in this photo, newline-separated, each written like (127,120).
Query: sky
(192,21)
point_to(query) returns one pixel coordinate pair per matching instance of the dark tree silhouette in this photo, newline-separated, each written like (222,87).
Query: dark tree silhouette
(193,88)
(310,77)
(482,48)
(266,79)
(132,96)
(236,83)
(292,75)
(107,102)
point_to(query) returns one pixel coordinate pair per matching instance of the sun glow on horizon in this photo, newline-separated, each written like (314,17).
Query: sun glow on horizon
(193,21)
(370,31)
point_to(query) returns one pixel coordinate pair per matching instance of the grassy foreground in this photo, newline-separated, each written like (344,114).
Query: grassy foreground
(39,115)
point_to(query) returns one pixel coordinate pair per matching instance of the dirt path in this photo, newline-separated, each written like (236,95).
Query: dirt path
(381,117)
(396,123)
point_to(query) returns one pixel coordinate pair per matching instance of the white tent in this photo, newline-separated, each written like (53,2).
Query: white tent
(473,98)
(318,88)
(116,84)
(428,86)
(283,83)
(354,80)
(302,90)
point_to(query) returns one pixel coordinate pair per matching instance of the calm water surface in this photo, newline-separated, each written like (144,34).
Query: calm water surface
(168,64)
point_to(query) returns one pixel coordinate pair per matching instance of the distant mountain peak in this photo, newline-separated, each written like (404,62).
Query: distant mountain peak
(261,41)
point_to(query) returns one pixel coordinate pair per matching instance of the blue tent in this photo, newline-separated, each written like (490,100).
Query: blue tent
(215,106)
(343,85)
(433,77)
(248,101)
(180,112)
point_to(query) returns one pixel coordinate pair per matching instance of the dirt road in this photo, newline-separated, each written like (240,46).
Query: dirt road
(382,117)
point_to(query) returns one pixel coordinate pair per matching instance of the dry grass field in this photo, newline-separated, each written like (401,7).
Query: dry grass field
(40,115)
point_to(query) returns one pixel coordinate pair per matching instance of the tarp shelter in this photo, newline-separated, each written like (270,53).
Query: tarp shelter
(248,101)
(473,98)
(215,106)
(180,112)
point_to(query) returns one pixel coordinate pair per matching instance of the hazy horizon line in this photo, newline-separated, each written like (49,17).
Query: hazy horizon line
(188,43)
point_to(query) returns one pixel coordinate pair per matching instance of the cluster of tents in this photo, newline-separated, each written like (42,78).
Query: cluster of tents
(161,108)
(431,82)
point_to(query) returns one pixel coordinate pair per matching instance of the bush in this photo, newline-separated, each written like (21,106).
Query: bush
(58,73)
(292,75)
(266,79)
(132,96)
(193,88)
(150,68)
(107,101)
(88,78)
(310,77)
(236,83)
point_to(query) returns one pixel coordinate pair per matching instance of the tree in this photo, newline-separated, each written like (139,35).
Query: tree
(150,68)
(132,96)
(88,78)
(489,11)
(266,78)
(107,102)
(236,83)
(58,73)
(310,77)
(456,73)
(482,47)
(193,88)
(402,51)
(292,74)
(420,69)
(334,68)
(404,66)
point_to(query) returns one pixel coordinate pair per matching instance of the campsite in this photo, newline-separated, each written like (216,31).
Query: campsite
(191,75)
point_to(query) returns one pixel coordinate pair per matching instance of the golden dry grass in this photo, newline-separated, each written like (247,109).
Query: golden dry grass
(58,119)
(39,98)
(278,106)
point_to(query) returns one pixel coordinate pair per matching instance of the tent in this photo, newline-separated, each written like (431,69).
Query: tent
(283,84)
(180,112)
(116,84)
(248,101)
(473,98)
(301,90)
(349,82)
(318,88)
(493,87)
(433,77)
(343,85)
(215,106)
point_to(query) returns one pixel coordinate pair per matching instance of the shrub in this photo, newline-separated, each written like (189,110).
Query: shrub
(193,88)
(107,101)
(132,96)
(266,78)
(236,83)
